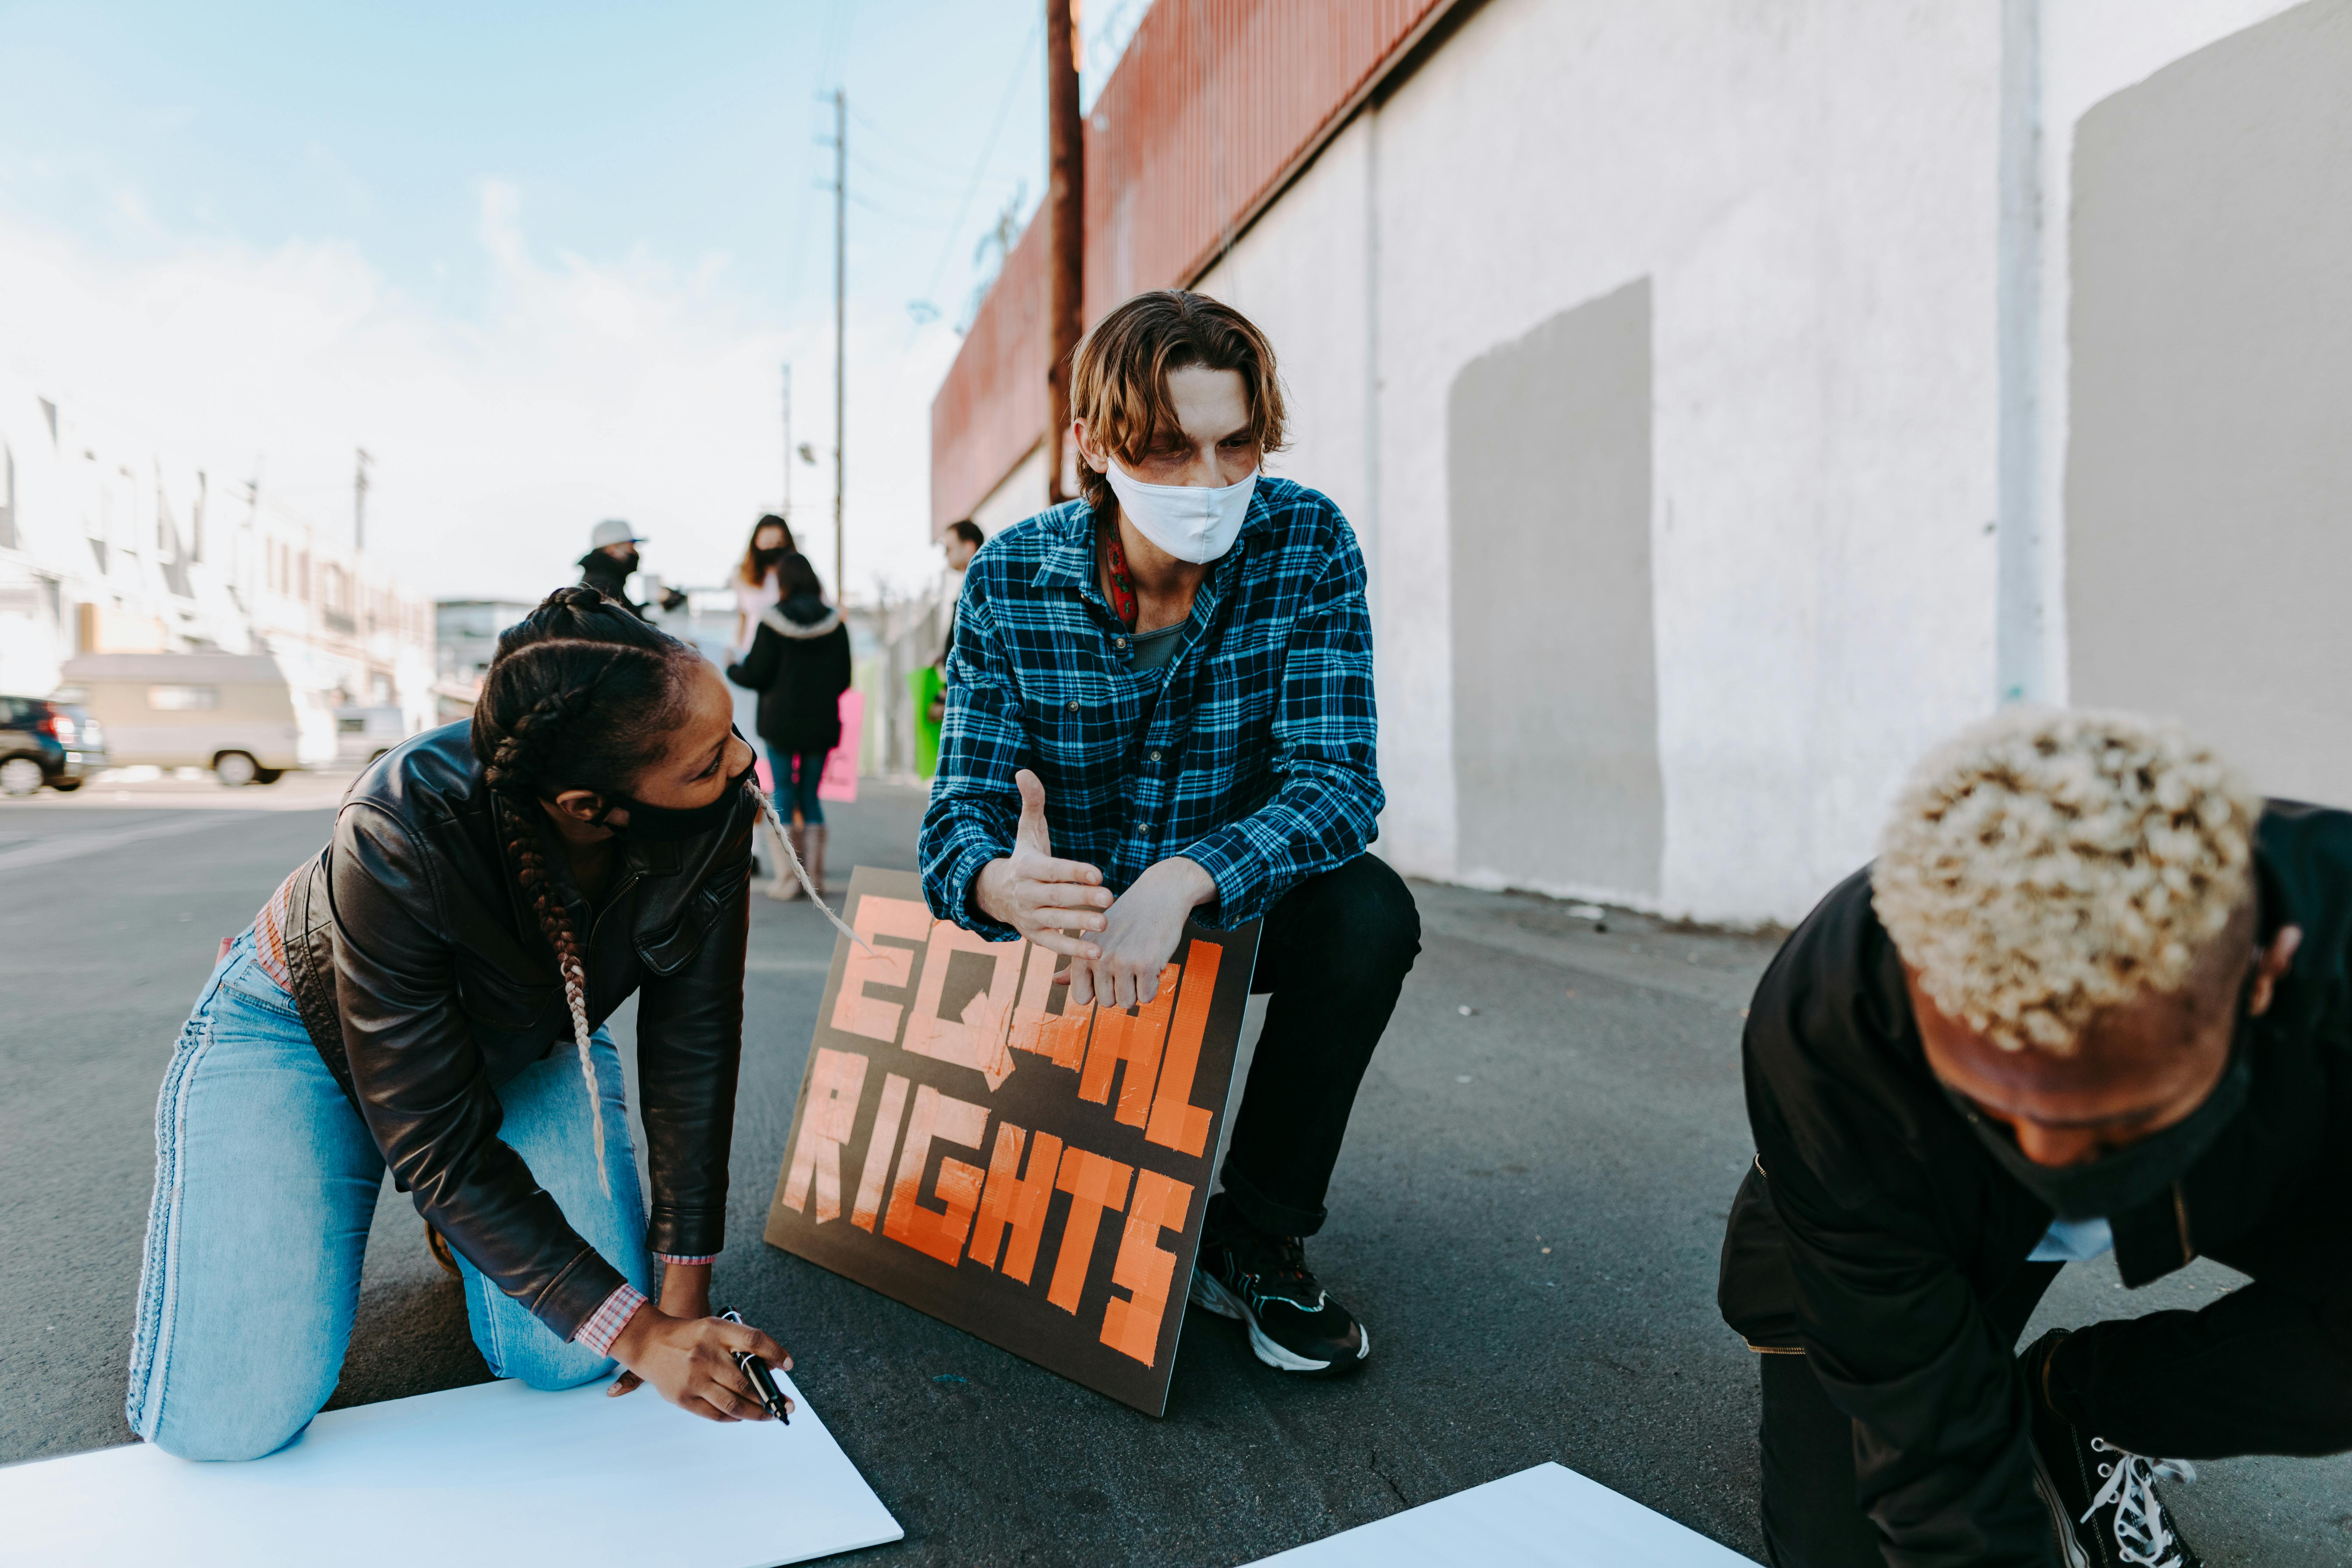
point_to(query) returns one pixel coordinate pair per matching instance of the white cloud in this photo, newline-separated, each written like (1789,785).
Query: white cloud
(584,389)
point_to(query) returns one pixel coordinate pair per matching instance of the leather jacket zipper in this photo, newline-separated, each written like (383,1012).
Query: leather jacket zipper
(611,898)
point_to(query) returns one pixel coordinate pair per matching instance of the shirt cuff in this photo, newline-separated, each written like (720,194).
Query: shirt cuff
(604,1324)
(951,892)
(673,1257)
(1240,875)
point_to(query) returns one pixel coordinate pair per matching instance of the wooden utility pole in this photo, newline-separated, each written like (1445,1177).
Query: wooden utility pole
(840,326)
(1065,211)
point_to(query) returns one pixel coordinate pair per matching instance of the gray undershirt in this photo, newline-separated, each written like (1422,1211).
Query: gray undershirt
(1155,651)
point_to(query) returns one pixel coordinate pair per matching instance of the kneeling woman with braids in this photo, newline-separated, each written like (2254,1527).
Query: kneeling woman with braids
(427,993)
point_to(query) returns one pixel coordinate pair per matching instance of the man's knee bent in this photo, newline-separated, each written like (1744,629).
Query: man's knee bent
(1367,917)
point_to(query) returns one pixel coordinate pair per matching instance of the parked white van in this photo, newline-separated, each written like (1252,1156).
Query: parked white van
(233,713)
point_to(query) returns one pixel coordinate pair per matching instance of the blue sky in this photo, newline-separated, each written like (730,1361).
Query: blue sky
(544,261)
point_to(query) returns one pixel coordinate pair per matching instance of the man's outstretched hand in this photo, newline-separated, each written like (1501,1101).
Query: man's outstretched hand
(1040,896)
(1146,923)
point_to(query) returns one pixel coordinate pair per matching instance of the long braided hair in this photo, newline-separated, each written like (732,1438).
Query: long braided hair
(583,694)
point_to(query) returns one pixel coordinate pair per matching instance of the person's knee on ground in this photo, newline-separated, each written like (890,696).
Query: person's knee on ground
(260,1415)
(568,1366)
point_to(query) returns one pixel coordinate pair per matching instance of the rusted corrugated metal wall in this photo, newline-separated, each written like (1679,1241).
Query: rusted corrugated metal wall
(1210,110)
(1213,107)
(992,408)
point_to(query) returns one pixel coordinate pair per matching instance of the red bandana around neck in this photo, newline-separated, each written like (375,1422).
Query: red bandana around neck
(1122,582)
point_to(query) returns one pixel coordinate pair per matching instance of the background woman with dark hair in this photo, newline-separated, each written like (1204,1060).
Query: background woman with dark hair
(798,664)
(427,993)
(757,586)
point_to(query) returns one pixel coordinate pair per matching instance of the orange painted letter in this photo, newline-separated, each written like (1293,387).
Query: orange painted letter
(1095,1184)
(977,1039)
(1176,1122)
(1015,1202)
(879,1142)
(938,1232)
(1134,1040)
(826,1121)
(1132,1327)
(854,1011)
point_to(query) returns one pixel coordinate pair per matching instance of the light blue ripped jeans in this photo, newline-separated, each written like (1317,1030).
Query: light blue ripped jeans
(265,1180)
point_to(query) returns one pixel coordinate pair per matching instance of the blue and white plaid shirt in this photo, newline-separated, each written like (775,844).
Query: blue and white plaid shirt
(1252,753)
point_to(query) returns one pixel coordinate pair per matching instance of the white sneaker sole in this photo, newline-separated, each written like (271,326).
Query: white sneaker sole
(1206,1291)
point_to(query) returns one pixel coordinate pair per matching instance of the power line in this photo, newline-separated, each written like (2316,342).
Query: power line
(955,226)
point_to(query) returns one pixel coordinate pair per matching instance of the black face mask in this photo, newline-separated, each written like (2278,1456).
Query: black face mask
(626,565)
(669,825)
(2117,1184)
(769,557)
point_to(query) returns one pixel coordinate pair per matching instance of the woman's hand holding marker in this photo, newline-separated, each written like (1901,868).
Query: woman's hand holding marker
(690,1362)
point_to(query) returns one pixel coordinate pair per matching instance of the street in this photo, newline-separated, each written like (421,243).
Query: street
(1527,1218)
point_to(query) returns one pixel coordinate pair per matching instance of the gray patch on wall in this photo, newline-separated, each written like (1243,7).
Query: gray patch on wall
(2208,471)
(1555,667)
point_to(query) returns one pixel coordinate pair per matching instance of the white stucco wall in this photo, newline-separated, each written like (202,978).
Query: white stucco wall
(2089,50)
(1844,313)
(1811,195)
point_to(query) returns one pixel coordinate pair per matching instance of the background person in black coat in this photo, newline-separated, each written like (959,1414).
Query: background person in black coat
(798,664)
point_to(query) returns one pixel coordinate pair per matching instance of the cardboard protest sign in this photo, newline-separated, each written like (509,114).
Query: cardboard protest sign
(1034,1173)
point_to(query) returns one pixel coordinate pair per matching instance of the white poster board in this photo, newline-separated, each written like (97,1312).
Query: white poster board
(1548,1515)
(497,1474)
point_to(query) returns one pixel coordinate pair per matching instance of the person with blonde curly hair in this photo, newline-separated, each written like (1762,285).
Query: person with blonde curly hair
(2094,995)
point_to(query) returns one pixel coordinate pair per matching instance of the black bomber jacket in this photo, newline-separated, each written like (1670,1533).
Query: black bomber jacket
(423,980)
(1872,1225)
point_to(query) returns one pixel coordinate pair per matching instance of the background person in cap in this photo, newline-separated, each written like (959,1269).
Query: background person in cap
(612,560)
(2092,995)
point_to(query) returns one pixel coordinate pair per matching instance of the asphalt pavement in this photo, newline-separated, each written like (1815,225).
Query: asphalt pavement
(1527,1216)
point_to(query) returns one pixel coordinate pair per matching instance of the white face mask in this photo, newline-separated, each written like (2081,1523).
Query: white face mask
(1192,522)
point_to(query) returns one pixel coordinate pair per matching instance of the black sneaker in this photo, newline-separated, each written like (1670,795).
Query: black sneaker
(1263,1280)
(2103,1501)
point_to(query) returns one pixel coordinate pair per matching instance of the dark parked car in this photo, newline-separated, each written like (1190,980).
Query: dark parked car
(45,742)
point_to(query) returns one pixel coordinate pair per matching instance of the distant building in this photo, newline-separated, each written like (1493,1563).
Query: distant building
(1731,400)
(109,543)
(465,640)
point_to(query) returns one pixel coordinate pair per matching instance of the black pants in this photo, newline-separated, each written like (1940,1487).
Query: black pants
(1333,953)
(2267,1369)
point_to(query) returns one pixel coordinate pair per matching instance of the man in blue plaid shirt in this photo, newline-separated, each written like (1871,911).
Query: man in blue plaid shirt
(1159,705)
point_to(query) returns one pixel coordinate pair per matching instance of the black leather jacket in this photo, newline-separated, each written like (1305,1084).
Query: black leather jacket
(423,980)
(1873,1226)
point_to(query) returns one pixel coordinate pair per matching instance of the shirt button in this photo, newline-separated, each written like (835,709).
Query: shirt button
(1073,704)
(1155,756)
(1118,642)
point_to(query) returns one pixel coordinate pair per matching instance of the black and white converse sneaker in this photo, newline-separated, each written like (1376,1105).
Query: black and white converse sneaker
(2103,1501)
(1263,1280)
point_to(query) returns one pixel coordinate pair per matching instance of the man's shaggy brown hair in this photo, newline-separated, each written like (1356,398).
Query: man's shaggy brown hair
(1119,380)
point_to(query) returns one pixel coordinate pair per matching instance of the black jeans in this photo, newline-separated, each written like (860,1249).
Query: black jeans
(2267,1369)
(1333,953)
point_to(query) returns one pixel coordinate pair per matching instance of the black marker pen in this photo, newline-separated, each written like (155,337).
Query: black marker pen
(757,1370)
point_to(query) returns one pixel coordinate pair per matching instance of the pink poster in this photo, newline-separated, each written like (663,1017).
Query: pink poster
(839,780)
